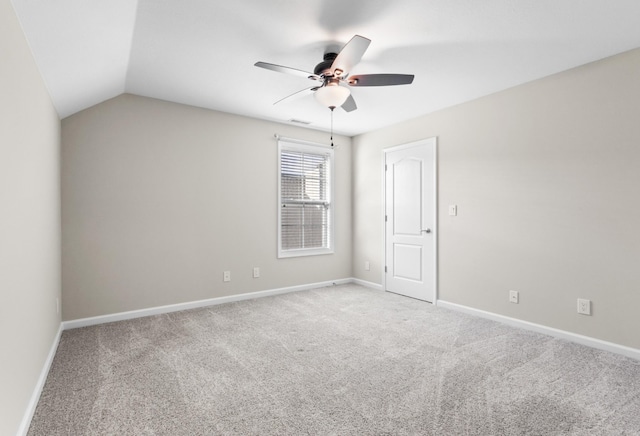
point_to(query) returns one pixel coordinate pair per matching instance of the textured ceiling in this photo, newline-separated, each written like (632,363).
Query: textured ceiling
(201,52)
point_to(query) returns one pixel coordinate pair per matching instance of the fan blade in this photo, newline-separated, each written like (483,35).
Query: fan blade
(350,55)
(302,93)
(380,79)
(287,70)
(350,104)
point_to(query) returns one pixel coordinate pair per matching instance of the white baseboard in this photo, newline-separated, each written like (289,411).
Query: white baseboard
(376,286)
(84,322)
(37,391)
(634,353)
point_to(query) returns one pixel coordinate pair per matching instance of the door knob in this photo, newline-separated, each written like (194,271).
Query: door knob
(426,230)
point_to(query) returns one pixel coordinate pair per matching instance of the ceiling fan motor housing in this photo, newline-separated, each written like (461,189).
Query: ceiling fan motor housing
(325,65)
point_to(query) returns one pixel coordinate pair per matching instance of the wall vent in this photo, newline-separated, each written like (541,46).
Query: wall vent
(293,120)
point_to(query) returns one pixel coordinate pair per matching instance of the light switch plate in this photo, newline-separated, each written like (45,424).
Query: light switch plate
(514,297)
(453,210)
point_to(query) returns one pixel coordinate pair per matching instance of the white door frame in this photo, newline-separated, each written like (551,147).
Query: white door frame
(433,139)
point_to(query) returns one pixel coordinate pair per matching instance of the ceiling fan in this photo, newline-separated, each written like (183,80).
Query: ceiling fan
(333,73)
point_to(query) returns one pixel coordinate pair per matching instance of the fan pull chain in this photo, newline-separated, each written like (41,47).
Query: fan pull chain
(332,108)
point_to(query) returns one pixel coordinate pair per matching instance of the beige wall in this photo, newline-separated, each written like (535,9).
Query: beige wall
(29,222)
(159,199)
(546,177)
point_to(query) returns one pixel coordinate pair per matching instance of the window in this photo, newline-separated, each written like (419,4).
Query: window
(305,212)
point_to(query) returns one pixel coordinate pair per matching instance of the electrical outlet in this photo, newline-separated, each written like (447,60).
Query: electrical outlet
(367,266)
(256,272)
(514,297)
(584,306)
(226,276)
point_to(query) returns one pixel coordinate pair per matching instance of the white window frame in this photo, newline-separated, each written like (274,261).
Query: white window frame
(308,147)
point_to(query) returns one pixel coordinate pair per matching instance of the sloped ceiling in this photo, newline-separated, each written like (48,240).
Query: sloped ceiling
(201,52)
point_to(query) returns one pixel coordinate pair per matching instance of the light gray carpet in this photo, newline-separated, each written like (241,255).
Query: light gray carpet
(343,360)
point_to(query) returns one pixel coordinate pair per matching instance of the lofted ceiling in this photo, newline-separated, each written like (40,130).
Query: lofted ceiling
(202,52)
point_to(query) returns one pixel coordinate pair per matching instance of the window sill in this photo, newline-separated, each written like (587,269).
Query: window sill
(283,254)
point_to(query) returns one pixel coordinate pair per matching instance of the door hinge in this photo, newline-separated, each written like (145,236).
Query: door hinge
(385,269)
(385,167)
(385,218)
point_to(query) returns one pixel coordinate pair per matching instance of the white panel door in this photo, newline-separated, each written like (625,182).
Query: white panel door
(410,209)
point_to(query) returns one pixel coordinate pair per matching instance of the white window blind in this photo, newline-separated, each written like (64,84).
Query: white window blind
(305,217)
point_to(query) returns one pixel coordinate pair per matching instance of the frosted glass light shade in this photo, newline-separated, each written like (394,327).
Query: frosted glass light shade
(332,96)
